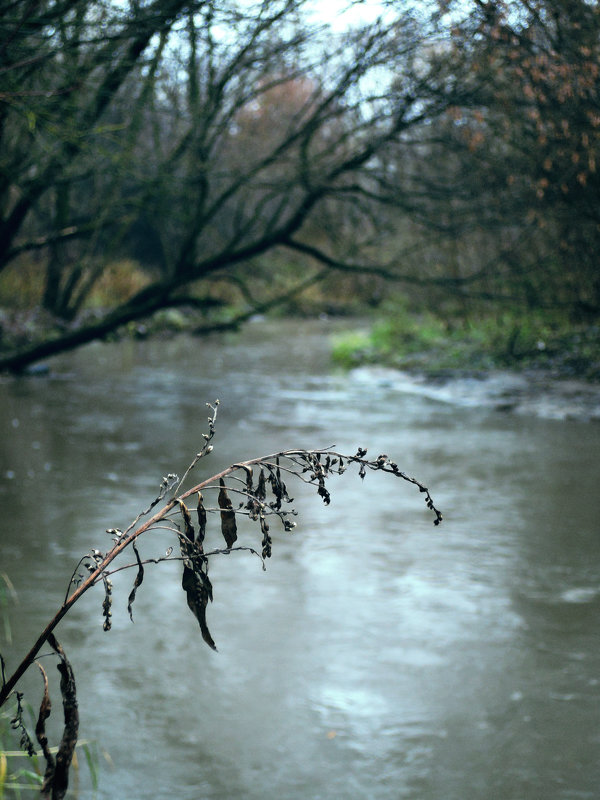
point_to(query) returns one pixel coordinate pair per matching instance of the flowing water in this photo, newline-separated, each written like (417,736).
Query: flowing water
(378,656)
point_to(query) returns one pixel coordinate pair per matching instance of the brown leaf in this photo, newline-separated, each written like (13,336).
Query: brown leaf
(138,581)
(40,733)
(228,523)
(261,489)
(198,591)
(60,778)
(201,520)
(187,521)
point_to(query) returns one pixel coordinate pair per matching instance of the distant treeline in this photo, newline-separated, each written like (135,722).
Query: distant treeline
(241,153)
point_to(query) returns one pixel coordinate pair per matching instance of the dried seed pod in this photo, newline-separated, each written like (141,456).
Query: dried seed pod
(266,540)
(253,506)
(17,724)
(228,523)
(106,604)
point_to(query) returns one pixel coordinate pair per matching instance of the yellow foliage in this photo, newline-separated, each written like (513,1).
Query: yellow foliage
(22,284)
(119,281)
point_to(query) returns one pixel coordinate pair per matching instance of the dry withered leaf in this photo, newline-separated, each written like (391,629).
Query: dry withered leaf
(17,723)
(201,520)
(66,748)
(40,731)
(228,523)
(198,590)
(137,582)
(261,489)
(187,521)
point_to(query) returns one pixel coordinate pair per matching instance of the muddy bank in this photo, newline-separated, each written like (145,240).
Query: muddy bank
(536,392)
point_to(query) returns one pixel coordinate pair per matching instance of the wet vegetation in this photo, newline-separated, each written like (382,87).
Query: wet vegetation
(431,344)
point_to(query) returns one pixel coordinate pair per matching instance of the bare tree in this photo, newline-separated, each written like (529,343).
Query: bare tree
(63,64)
(213,133)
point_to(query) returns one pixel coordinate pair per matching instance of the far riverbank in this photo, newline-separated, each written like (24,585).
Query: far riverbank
(531,392)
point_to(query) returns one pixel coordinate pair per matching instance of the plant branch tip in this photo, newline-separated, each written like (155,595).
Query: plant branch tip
(262,501)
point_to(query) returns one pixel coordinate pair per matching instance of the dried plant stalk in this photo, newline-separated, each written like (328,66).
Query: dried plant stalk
(256,502)
(40,733)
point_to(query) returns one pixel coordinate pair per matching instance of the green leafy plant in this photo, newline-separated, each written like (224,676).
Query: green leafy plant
(15,778)
(20,778)
(7,596)
(254,490)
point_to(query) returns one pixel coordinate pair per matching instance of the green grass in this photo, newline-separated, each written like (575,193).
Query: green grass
(509,340)
(353,348)
(21,775)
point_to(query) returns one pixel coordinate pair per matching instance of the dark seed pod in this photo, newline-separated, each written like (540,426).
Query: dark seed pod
(17,724)
(106,604)
(267,542)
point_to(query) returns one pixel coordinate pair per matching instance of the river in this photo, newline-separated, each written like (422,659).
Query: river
(378,657)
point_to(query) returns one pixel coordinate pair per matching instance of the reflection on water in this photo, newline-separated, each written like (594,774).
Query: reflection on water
(378,657)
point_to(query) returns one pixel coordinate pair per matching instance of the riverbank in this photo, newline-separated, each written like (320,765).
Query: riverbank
(548,373)
(557,378)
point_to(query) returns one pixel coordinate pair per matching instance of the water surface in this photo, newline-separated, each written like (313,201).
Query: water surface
(378,657)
